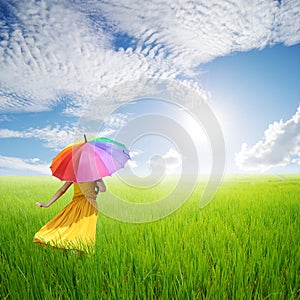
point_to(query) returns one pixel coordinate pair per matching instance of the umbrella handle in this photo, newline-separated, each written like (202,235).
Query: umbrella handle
(85,138)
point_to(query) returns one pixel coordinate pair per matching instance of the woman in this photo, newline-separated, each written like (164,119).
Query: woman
(75,226)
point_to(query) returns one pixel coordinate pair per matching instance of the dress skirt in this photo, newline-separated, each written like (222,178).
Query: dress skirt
(73,228)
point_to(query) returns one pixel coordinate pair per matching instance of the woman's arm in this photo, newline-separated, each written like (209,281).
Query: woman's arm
(57,195)
(100,186)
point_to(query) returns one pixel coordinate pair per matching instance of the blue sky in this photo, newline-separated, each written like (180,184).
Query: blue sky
(57,57)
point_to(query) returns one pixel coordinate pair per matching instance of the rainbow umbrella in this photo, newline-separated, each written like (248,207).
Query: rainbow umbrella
(89,160)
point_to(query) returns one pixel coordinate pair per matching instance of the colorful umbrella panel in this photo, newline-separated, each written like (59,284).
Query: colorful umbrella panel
(90,160)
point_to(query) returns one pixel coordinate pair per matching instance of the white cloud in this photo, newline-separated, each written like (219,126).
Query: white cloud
(68,47)
(171,160)
(136,152)
(132,164)
(52,49)
(111,124)
(279,147)
(53,137)
(288,22)
(57,137)
(16,163)
(195,32)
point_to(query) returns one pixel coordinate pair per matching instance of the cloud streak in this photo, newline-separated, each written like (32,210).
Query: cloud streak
(279,147)
(54,138)
(32,165)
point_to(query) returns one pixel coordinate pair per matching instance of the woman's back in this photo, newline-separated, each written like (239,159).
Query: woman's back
(86,189)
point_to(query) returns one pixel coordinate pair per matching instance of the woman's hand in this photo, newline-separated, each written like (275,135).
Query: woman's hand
(57,195)
(40,204)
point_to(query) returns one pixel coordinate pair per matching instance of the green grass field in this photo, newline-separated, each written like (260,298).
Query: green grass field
(243,245)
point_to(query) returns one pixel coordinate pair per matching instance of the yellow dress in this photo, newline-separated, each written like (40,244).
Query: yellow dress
(75,226)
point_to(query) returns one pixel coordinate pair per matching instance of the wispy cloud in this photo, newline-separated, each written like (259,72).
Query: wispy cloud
(53,137)
(57,137)
(279,147)
(49,48)
(32,165)
(136,152)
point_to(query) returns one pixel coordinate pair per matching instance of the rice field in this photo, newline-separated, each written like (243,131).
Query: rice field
(243,245)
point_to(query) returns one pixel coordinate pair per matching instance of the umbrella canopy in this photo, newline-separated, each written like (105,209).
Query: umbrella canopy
(89,160)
